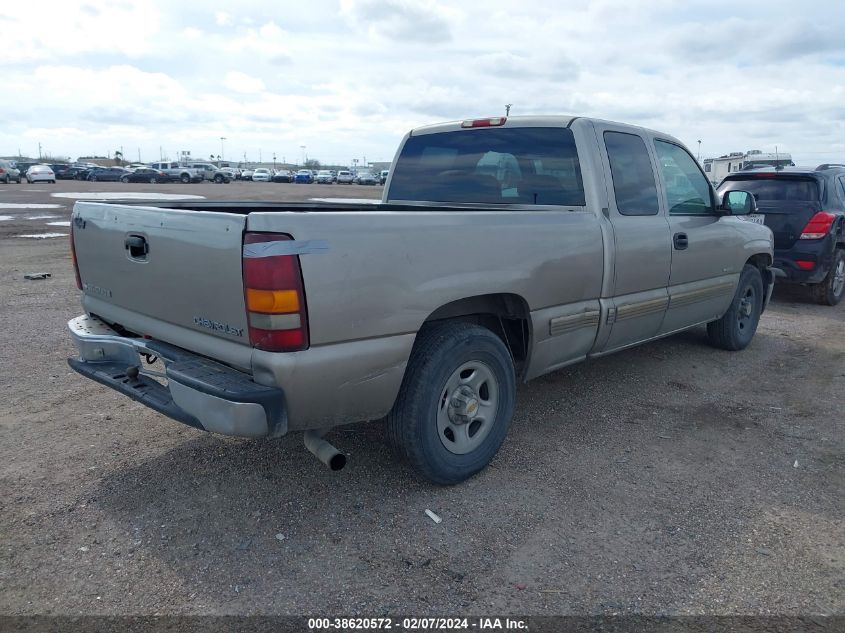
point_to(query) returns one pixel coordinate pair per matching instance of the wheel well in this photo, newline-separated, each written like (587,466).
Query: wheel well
(505,314)
(760,261)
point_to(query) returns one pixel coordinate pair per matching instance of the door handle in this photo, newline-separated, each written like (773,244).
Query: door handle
(137,246)
(680,241)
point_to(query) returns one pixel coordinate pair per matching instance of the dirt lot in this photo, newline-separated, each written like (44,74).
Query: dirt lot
(670,479)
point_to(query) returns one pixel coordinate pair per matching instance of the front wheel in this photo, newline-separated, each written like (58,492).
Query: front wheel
(124,179)
(829,292)
(218,179)
(737,326)
(185,179)
(456,402)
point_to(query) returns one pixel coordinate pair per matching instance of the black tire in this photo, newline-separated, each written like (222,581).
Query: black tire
(153,180)
(830,290)
(737,326)
(124,179)
(93,179)
(218,179)
(7,180)
(440,352)
(185,178)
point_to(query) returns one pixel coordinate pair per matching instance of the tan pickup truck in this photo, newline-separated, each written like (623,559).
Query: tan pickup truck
(503,249)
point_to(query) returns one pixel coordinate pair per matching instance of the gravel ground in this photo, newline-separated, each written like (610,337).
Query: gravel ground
(668,479)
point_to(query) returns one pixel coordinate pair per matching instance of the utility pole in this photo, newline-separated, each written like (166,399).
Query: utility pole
(699,150)
(39,151)
(508,109)
(274,161)
(222,153)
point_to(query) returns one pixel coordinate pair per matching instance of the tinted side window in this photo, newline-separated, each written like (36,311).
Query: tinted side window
(632,174)
(687,190)
(501,165)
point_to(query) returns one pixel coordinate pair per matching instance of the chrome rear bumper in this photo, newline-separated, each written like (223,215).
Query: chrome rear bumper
(193,389)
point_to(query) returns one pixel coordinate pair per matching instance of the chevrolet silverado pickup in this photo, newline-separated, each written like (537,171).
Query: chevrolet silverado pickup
(502,249)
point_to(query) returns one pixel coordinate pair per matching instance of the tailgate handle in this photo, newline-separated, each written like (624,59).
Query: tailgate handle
(137,246)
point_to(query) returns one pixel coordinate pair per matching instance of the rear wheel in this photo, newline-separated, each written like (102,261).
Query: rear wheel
(153,180)
(124,179)
(829,292)
(737,326)
(185,178)
(456,402)
(218,179)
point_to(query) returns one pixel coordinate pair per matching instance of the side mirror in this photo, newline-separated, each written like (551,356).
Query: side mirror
(738,203)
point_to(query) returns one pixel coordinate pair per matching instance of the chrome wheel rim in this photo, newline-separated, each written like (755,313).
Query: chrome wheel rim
(839,278)
(746,309)
(467,408)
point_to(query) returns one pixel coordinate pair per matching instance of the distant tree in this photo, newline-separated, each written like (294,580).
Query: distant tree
(118,157)
(312,163)
(211,157)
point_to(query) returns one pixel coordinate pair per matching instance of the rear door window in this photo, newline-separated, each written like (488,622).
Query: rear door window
(498,166)
(632,174)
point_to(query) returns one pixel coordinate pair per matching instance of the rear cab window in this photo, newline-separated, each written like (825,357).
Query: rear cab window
(520,165)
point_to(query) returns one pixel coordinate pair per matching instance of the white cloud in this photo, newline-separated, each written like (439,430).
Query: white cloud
(241,82)
(349,78)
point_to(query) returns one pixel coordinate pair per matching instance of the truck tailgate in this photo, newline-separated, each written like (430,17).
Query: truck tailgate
(143,265)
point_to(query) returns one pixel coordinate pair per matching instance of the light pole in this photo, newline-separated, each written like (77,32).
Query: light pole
(508,109)
(222,152)
(699,150)
(274,161)
(304,155)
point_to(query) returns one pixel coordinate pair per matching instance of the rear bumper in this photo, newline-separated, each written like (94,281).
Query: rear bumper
(194,390)
(818,251)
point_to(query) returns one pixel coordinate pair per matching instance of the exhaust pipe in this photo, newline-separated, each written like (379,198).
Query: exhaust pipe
(324,451)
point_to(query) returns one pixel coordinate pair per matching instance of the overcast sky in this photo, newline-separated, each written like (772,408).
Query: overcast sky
(347,79)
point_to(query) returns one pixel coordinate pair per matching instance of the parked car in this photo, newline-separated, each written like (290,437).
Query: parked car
(40,173)
(70,173)
(345,177)
(324,177)
(59,169)
(303,176)
(261,174)
(805,209)
(211,172)
(283,175)
(9,173)
(233,172)
(145,174)
(246,174)
(23,167)
(609,236)
(107,174)
(383,176)
(178,171)
(366,178)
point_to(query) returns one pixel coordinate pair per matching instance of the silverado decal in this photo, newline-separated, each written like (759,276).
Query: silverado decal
(217,326)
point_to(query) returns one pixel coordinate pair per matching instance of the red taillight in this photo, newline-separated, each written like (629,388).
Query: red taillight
(804,264)
(73,258)
(818,226)
(493,122)
(273,293)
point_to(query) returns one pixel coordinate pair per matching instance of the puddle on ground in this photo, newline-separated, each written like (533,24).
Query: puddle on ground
(348,200)
(15,205)
(125,195)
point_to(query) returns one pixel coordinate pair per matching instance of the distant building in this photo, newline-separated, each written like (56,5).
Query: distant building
(717,168)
